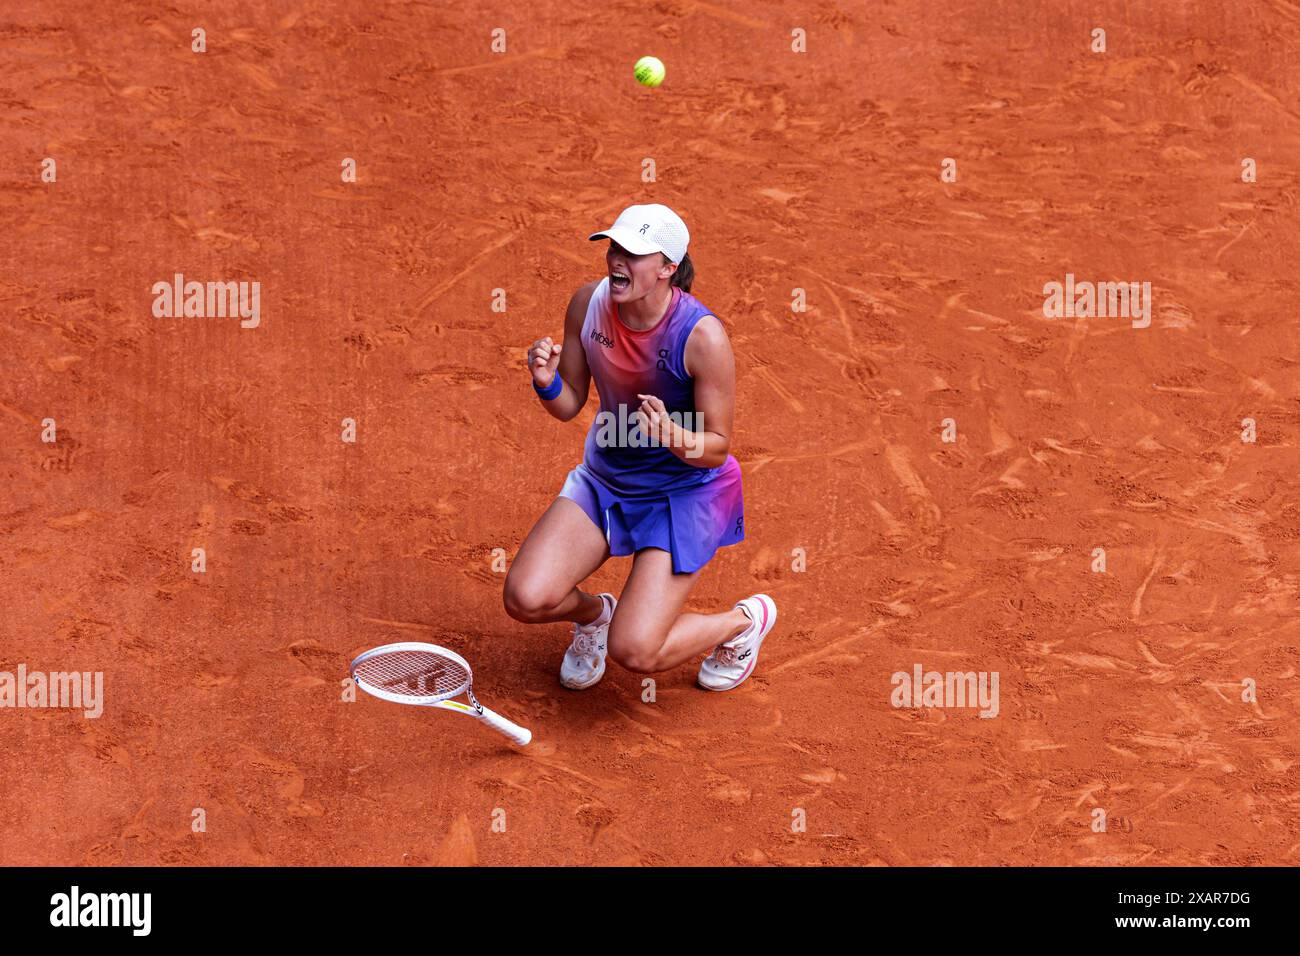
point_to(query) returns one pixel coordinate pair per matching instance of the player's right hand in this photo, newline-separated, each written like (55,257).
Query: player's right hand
(543,359)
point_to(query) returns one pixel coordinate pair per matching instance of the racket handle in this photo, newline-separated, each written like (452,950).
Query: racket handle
(520,735)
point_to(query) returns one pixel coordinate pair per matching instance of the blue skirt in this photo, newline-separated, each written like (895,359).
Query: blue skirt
(690,524)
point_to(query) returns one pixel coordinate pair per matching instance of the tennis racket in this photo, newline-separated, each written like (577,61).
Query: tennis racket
(428,676)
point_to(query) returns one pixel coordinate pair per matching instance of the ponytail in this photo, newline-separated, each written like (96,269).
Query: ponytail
(685,274)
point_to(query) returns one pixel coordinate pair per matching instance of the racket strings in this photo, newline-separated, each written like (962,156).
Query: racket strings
(415,674)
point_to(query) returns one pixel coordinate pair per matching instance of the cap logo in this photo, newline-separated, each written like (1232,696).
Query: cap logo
(644,228)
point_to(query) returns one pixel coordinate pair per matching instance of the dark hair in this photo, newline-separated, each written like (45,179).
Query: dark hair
(685,274)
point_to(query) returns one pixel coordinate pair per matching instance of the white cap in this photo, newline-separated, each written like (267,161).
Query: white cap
(644,229)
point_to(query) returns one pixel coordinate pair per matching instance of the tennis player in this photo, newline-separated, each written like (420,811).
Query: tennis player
(656,481)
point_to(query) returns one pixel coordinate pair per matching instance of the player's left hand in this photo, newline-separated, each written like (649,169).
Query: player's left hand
(654,420)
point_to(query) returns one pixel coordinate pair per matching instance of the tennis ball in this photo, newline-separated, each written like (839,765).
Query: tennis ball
(649,71)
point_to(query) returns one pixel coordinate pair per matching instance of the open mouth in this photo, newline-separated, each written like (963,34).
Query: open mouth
(619,282)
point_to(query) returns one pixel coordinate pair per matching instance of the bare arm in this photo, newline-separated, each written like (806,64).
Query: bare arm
(546,360)
(710,361)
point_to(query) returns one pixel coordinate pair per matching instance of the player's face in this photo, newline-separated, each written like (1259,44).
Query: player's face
(632,277)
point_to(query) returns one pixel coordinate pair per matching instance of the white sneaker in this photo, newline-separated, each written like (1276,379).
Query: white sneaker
(733,661)
(584,661)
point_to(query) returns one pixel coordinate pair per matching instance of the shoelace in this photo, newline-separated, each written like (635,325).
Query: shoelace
(726,653)
(585,643)
(584,640)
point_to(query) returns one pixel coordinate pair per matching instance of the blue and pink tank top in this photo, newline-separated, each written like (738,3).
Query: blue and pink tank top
(625,362)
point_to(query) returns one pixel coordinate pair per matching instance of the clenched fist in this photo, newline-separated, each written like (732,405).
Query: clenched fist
(654,420)
(543,358)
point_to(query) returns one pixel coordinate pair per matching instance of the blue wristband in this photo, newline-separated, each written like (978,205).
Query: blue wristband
(551,391)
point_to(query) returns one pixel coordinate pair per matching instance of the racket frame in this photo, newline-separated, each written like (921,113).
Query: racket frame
(518,734)
(428,699)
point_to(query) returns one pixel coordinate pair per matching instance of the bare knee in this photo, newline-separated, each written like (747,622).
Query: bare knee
(530,601)
(633,651)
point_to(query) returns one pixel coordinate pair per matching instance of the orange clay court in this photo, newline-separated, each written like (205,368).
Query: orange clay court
(822,171)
